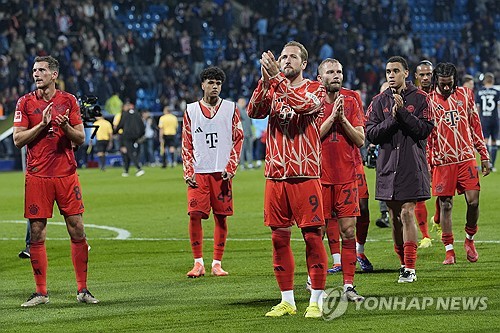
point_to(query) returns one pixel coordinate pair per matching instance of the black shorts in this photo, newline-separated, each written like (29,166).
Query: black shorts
(169,140)
(490,129)
(101,146)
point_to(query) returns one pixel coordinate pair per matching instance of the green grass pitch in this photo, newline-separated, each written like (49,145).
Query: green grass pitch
(142,285)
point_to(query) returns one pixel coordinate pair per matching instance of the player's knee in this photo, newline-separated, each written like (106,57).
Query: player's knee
(348,233)
(473,203)
(407,214)
(446,205)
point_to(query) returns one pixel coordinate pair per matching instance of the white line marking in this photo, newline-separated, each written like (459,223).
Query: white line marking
(125,235)
(122,233)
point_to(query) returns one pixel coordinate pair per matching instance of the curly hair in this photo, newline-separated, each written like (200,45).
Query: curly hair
(444,69)
(212,73)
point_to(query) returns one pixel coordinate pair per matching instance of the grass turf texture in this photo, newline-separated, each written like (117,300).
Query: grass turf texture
(142,285)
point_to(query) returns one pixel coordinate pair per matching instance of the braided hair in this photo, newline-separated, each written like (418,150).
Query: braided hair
(444,69)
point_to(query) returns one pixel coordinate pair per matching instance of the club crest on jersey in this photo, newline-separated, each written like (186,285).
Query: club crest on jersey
(386,110)
(60,109)
(410,108)
(460,103)
(18,116)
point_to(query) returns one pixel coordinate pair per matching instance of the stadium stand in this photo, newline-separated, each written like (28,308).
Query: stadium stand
(151,51)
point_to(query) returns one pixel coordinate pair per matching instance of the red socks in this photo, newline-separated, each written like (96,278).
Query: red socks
(283,261)
(39,264)
(220,235)
(80,257)
(447,238)
(399,249)
(348,260)
(362,224)
(316,257)
(421,215)
(196,234)
(333,235)
(410,254)
(471,231)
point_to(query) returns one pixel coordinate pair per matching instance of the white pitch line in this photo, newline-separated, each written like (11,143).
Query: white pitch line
(121,233)
(125,235)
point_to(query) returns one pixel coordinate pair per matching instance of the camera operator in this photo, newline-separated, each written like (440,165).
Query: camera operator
(49,123)
(133,131)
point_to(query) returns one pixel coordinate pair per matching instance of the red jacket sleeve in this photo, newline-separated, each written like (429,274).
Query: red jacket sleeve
(187,147)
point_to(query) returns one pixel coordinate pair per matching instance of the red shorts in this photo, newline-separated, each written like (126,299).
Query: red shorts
(362,185)
(460,177)
(212,192)
(41,192)
(340,200)
(291,201)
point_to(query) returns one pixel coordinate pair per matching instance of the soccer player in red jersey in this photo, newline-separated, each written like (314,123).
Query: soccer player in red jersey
(452,158)
(363,220)
(342,133)
(49,123)
(398,121)
(423,73)
(212,136)
(292,169)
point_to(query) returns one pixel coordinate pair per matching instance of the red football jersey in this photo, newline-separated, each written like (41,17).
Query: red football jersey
(50,154)
(457,129)
(293,145)
(339,153)
(352,93)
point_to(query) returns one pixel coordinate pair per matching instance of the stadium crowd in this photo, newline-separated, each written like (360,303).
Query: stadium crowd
(152,51)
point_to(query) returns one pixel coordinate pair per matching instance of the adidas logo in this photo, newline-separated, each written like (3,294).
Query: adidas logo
(195,243)
(318,266)
(198,130)
(279,268)
(220,244)
(316,219)
(37,111)
(228,209)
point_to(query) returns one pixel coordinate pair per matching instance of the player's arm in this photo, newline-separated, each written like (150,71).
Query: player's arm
(417,123)
(302,102)
(355,131)
(259,105)
(234,156)
(76,133)
(378,129)
(22,135)
(187,151)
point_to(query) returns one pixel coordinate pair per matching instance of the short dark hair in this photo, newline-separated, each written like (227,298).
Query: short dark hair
(53,63)
(399,59)
(444,69)
(212,73)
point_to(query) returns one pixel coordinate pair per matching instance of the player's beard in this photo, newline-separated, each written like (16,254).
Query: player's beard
(333,87)
(291,73)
